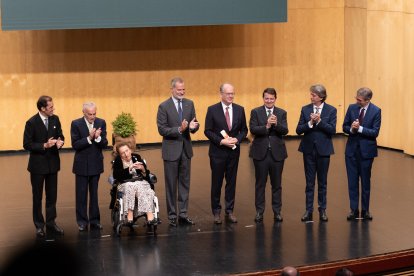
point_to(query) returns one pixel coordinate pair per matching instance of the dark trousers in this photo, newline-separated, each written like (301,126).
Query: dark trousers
(316,166)
(223,167)
(177,177)
(263,168)
(83,184)
(356,168)
(50,183)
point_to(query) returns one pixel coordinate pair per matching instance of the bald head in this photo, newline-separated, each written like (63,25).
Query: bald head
(289,271)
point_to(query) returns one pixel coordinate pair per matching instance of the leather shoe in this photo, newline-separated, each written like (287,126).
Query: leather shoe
(172,222)
(278,217)
(96,226)
(258,218)
(322,216)
(217,219)
(82,228)
(366,215)
(40,233)
(55,229)
(231,218)
(307,216)
(353,215)
(186,221)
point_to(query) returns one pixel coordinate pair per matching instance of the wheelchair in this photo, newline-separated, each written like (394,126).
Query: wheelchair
(118,219)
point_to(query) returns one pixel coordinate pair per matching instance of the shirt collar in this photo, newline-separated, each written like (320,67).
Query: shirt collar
(43,117)
(320,107)
(224,106)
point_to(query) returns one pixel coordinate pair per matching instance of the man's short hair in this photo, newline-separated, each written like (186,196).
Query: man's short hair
(42,101)
(319,90)
(365,93)
(270,91)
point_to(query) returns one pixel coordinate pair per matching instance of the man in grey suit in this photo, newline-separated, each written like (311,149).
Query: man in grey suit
(268,124)
(176,119)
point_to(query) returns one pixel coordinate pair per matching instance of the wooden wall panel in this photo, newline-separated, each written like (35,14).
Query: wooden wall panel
(379,54)
(129,69)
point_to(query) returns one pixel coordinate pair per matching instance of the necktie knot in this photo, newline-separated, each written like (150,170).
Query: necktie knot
(317,110)
(269,112)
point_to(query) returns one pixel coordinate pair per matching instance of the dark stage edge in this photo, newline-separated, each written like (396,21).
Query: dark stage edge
(207,249)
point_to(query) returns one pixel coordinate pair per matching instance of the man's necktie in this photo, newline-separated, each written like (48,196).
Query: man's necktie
(47,123)
(228,118)
(361,116)
(317,110)
(180,111)
(269,112)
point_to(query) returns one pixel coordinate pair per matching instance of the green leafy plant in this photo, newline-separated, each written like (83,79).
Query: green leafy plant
(124,125)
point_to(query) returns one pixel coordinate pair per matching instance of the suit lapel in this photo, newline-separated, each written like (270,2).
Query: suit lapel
(174,111)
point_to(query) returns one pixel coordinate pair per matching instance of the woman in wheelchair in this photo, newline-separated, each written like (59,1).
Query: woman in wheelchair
(130,169)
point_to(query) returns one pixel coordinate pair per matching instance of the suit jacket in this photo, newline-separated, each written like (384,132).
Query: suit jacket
(41,160)
(263,136)
(88,157)
(173,142)
(216,122)
(319,135)
(367,140)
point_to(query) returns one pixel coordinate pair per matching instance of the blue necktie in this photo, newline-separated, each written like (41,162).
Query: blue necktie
(180,111)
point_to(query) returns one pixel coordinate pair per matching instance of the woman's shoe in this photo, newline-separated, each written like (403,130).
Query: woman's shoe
(154,221)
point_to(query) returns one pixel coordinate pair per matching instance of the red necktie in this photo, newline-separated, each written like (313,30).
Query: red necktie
(361,116)
(228,118)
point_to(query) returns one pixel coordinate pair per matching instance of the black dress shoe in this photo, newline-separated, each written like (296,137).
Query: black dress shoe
(172,222)
(96,226)
(55,229)
(186,221)
(307,216)
(366,215)
(231,218)
(40,233)
(82,228)
(278,217)
(322,216)
(354,214)
(258,218)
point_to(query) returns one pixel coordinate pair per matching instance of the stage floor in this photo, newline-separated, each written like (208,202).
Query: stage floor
(208,249)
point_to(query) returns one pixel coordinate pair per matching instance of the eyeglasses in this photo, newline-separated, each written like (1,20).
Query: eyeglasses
(229,94)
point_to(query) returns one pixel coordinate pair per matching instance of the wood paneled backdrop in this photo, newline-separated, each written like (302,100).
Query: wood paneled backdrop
(342,44)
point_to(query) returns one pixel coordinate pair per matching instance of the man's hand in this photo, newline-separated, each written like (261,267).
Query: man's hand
(194,124)
(184,125)
(98,133)
(59,143)
(50,143)
(272,120)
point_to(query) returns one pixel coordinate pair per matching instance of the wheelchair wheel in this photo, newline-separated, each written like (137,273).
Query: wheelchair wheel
(118,229)
(115,218)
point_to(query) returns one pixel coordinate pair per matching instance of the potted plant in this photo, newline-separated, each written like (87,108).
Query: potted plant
(124,130)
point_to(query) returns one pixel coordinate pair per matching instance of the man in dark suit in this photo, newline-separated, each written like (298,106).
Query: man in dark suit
(176,119)
(225,128)
(268,124)
(318,123)
(88,139)
(43,137)
(362,123)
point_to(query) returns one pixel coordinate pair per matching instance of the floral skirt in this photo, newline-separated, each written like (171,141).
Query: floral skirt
(139,197)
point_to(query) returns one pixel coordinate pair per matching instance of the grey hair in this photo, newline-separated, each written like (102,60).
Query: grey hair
(88,105)
(175,80)
(319,90)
